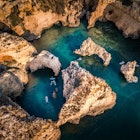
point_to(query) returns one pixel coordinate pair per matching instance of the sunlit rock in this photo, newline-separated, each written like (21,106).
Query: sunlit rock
(85,94)
(89,48)
(45,59)
(128,70)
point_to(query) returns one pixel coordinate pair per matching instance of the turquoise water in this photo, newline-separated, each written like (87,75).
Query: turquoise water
(120,123)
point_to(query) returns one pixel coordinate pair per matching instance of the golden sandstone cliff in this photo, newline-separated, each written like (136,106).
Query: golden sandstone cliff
(85,94)
(30,18)
(16,124)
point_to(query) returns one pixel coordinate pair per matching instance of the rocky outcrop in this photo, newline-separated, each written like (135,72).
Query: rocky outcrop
(89,48)
(23,17)
(10,84)
(85,95)
(45,59)
(98,12)
(128,70)
(15,53)
(126,18)
(16,124)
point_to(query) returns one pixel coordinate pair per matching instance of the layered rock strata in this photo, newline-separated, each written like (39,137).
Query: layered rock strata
(45,59)
(85,95)
(128,70)
(126,18)
(98,12)
(15,53)
(23,17)
(89,48)
(10,84)
(16,124)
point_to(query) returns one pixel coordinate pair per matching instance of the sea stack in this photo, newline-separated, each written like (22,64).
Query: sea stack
(89,47)
(85,94)
(45,59)
(128,70)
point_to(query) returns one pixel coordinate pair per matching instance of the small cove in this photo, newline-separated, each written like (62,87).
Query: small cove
(123,121)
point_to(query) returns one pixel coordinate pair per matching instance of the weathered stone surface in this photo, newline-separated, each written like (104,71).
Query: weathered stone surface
(85,95)
(89,48)
(98,13)
(10,84)
(126,18)
(128,70)
(45,59)
(24,16)
(16,124)
(15,53)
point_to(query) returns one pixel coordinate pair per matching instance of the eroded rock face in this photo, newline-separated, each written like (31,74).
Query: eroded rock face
(126,18)
(10,84)
(89,48)
(45,59)
(23,17)
(98,13)
(15,53)
(85,95)
(16,124)
(128,70)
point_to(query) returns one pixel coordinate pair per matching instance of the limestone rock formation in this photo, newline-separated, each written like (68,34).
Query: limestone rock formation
(128,70)
(85,95)
(89,48)
(15,53)
(45,59)
(98,13)
(10,84)
(16,124)
(126,18)
(23,17)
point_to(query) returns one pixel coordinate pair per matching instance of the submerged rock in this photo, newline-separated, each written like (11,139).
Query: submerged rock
(128,70)
(45,59)
(85,95)
(126,18)
(89,48)
(16,124)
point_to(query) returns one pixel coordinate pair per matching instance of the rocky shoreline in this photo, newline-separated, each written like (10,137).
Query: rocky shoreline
(17,56)
(85,94)
(17,124)
(23,17)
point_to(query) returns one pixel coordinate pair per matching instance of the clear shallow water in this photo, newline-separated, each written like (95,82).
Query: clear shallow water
(120,123)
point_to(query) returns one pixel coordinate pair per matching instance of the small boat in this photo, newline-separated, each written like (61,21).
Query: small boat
(122,62)
(53,82)
(46,99)
(137,66)
(52,78)
(79,59)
